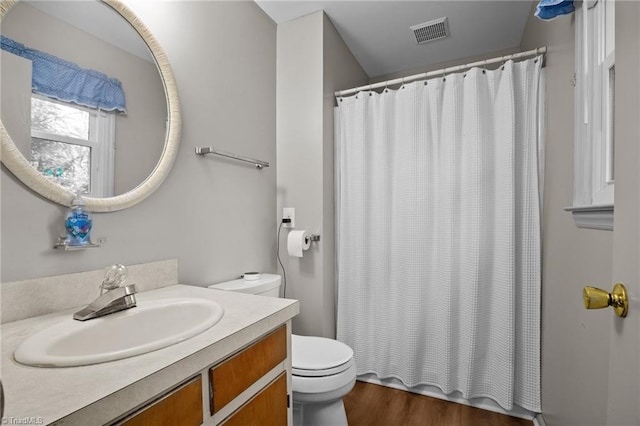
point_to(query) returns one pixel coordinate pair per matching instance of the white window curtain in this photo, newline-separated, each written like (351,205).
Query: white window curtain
(439,233)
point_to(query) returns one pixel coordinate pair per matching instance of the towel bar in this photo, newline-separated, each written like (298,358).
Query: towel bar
(209,150)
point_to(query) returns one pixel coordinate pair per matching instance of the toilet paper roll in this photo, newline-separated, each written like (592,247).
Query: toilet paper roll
(297,242)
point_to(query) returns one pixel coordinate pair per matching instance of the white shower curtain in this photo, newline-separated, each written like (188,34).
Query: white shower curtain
(438,233)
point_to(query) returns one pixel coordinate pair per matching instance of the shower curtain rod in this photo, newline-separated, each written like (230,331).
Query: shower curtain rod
(443,71)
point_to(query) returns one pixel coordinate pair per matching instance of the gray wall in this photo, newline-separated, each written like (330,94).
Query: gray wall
(447,64)
(215,216)
(575,342)
(141,131)
(313,62)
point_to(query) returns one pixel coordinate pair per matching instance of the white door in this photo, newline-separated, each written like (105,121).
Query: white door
(623,405)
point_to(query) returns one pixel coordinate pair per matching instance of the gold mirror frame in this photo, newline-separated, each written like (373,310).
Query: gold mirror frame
(13,159)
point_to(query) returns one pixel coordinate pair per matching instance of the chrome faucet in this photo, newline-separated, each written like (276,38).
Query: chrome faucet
(115,298)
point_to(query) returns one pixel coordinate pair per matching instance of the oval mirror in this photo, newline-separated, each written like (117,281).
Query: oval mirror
(54,142)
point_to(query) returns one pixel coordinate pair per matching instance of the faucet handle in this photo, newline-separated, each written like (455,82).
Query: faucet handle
(115,275)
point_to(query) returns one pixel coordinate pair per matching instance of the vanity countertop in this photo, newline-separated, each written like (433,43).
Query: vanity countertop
(95,394)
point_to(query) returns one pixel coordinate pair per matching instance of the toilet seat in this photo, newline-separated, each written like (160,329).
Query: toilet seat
(323,389)
(319,356)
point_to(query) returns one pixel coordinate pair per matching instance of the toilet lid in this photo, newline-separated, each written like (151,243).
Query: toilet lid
(319,356)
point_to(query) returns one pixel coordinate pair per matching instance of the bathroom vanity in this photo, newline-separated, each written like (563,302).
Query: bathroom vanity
(237,372)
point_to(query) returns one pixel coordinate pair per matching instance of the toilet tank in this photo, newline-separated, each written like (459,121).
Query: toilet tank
(264,285)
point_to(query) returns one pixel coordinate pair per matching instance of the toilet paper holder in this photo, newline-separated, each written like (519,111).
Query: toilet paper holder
(314,237)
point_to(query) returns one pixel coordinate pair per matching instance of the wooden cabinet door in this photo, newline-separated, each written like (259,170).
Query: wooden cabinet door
(180,407)
(267,408)
(233,376)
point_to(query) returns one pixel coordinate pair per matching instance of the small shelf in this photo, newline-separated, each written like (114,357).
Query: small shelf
(63,245)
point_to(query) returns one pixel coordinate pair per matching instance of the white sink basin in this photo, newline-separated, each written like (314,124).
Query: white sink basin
(150,326)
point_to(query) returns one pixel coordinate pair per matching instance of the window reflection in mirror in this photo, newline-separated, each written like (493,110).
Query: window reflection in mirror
(69,145)
(139,134)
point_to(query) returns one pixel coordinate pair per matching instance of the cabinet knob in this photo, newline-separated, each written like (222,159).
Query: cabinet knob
(595,298)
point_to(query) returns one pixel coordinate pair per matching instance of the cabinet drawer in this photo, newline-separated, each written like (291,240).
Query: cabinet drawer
(236,374)
(267,408)
(180,407)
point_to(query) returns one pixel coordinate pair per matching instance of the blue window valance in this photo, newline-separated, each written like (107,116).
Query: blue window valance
(66,81)
(548,10)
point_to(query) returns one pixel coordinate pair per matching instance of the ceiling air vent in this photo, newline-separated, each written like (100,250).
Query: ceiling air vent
(432,30)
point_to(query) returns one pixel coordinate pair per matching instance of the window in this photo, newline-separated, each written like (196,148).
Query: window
(73,145)
(594,168)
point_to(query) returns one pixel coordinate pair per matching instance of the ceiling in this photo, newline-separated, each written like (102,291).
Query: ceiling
(378,34)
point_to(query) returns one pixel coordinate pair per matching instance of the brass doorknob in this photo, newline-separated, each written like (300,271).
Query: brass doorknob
(595,298)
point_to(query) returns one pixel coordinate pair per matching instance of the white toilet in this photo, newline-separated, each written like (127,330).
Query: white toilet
(323,369)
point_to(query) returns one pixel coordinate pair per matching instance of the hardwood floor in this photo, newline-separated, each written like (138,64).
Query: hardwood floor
(373,405)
